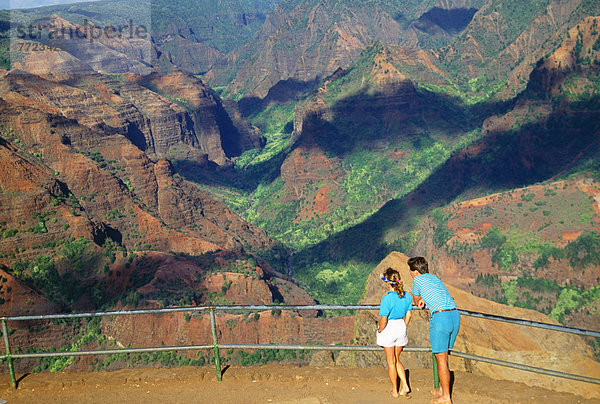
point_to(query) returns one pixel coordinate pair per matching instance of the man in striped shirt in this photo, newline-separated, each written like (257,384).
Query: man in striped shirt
(428,290)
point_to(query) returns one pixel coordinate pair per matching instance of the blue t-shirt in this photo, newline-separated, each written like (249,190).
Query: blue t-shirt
(433,292)
(394,307)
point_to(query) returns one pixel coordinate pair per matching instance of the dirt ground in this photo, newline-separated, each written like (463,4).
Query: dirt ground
(264,384)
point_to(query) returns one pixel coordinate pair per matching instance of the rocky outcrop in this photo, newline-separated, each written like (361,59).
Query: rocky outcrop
(533,346)
(219,128)
(62,180)
(191,56)
(166,198)
(104,47)
(155,112)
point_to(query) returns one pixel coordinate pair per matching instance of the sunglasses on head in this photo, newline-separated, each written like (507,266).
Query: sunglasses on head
(383,278)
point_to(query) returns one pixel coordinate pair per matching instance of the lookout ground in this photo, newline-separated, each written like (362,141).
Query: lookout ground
(263,384)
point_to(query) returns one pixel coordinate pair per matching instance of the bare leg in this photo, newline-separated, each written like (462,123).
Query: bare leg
(404,390)
(392,372)
(444,374)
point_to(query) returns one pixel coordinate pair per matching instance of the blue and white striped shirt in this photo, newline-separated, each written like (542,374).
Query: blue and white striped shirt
(433,292)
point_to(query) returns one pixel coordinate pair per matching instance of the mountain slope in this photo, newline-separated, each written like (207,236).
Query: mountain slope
(506,38)
(192,35)
(483,46)
(154,112)
(306,44)
(65,186)
(549,131)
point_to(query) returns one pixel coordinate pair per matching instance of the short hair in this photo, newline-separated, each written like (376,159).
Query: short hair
(418,264)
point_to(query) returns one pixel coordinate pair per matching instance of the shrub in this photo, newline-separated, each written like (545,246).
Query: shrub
(584,251)
(488,279)
(442,232)
(9,233)
(493,239)
(528,197)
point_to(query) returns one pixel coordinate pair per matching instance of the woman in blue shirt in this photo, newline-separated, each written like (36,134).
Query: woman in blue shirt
(395,311)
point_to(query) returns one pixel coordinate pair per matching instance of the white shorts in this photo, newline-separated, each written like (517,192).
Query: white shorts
(394,334)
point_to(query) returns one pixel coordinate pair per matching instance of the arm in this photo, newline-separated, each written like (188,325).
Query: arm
(407,317)
(416,293)
(419,302)
(382,323)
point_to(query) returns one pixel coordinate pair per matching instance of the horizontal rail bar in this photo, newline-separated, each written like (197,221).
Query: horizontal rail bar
(199,347)
(458,354)
(554,327)
(525,367)
(530,323)
(190,308)
(104,313)
(321,347)
(302,307)
(108,351)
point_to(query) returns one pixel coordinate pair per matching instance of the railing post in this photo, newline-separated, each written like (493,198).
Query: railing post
(436,376)
(213,328)
(11,369)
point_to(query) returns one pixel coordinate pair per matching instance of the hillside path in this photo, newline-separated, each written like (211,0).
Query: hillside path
(262,384)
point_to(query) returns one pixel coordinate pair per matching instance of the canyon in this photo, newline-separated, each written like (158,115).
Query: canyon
(183,171)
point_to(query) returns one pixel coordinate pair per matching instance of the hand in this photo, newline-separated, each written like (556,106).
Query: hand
(421,304)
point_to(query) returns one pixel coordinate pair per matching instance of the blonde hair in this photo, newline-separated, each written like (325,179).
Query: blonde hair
(394,276)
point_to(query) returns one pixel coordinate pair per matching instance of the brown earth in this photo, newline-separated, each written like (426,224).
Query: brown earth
(306,166)
(91,181)
(264,384)
(266,328)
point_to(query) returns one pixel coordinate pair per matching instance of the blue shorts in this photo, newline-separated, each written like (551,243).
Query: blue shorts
(443,329)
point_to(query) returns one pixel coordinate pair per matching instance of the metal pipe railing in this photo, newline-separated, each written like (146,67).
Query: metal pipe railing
(527,368)
(215,346)
(529,323)
(213,329)
(11,369)
(109,351)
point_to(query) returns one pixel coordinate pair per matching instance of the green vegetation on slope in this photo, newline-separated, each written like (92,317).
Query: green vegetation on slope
(4,40)
(380,157)
(539,294)
(276,125)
